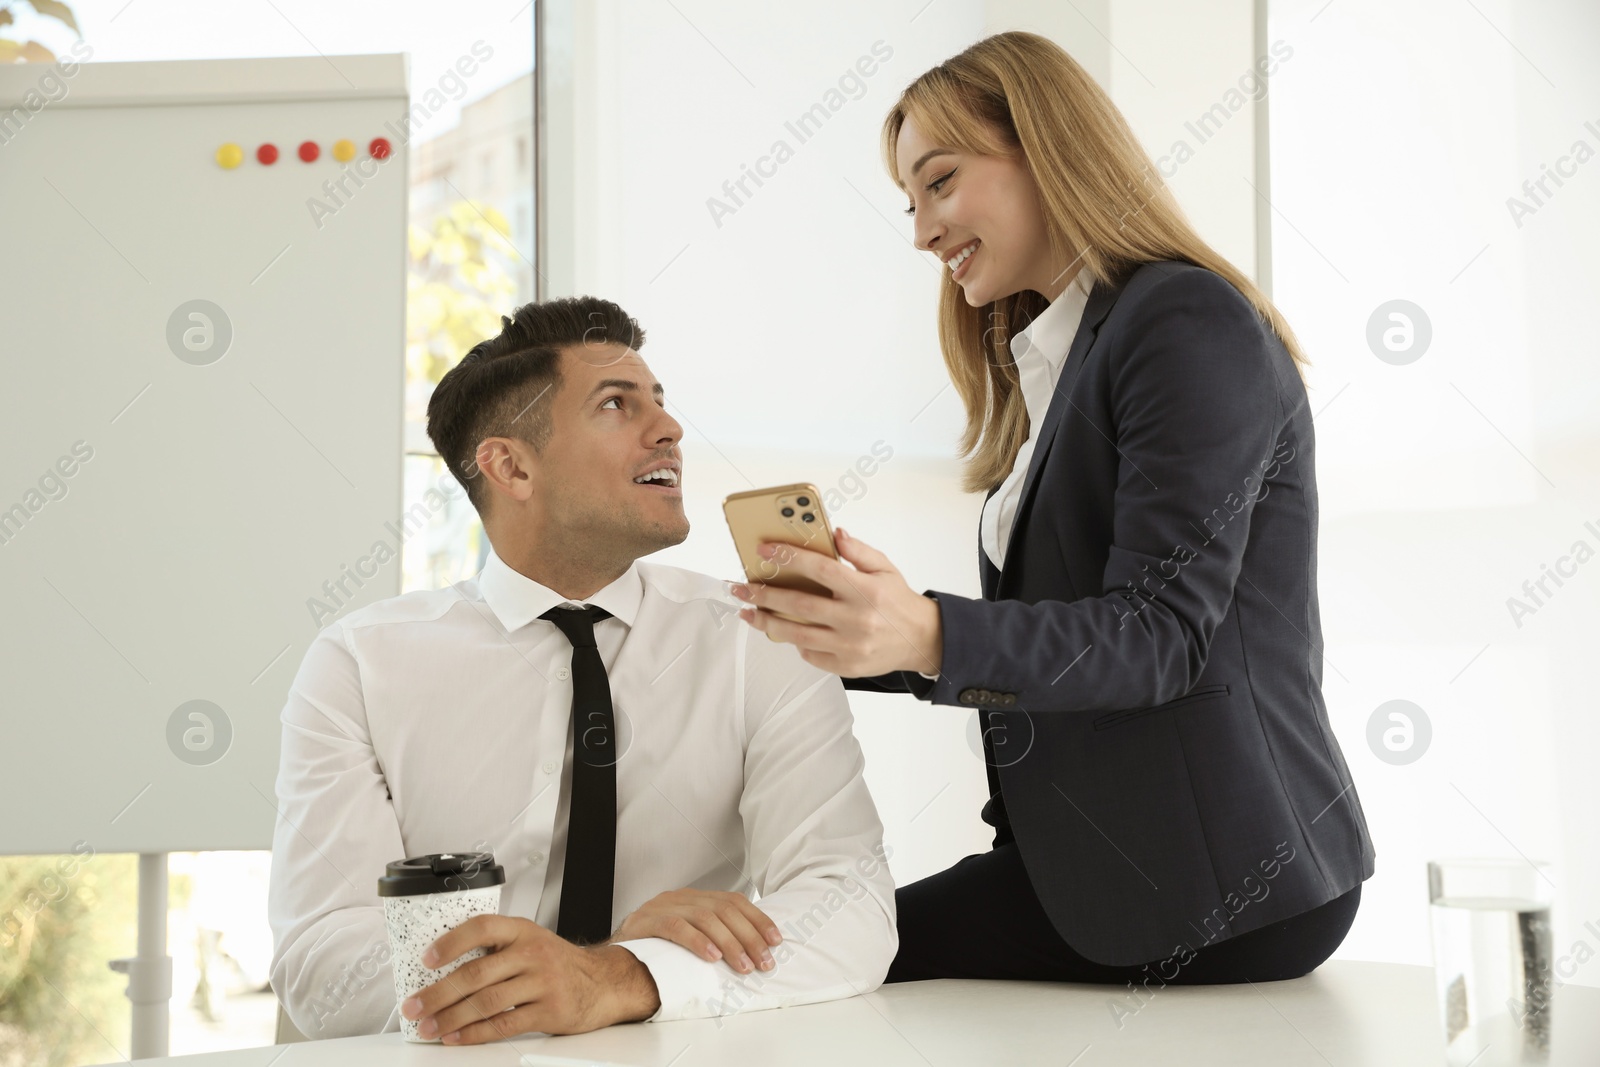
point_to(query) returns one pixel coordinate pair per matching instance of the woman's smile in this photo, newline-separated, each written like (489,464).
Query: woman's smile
(959,263)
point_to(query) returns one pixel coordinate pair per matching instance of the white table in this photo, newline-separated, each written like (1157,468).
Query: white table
(1345,1014)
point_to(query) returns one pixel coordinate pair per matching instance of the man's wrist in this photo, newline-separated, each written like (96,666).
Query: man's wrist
(629,986)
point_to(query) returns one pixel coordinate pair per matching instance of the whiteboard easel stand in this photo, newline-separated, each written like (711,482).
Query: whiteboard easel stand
(350,298)
(150,970)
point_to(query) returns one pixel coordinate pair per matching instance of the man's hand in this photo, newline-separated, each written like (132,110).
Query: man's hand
(551,985)
(712,924)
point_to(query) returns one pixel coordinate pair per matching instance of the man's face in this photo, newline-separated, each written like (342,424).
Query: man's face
(609,426)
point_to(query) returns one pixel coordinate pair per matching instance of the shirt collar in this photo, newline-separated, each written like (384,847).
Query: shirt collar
(517,600)
(1052,332)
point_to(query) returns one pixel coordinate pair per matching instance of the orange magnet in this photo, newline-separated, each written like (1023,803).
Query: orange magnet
(379,148)
(344,150)
(267,154)
(309,151)
(229,156)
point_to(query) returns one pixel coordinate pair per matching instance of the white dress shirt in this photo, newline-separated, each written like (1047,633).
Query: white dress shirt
(1040,349)
(440,721)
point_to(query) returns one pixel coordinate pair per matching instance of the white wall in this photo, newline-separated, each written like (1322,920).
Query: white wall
(799,332)
(1399,133)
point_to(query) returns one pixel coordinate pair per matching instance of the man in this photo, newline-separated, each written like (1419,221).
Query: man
(710,764)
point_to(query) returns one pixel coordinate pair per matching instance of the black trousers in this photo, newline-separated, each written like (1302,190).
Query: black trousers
(981,919)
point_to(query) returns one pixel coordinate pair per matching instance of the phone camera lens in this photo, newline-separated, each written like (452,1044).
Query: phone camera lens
(808,517)
(804,502)
(787,512)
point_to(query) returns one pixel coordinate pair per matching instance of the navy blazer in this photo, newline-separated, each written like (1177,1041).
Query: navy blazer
(1148,664)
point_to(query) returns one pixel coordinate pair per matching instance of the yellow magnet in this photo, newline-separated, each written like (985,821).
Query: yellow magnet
(344,150)
(229,156)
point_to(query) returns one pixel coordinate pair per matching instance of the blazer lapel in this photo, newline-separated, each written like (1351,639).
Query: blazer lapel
(988,576)
(1101,298)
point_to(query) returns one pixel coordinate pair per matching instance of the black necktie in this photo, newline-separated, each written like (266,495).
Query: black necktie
(586,882)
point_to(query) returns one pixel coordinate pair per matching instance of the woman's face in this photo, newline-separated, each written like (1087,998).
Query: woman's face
(986,204)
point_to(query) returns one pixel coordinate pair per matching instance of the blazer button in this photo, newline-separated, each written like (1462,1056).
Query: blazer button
(969,696)
(1008,699)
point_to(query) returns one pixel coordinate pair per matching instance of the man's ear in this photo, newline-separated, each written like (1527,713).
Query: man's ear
(508,465)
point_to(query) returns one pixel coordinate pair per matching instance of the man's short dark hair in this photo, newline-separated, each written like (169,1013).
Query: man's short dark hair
(503,386)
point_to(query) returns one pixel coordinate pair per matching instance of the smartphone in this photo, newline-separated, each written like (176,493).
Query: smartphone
(786,514)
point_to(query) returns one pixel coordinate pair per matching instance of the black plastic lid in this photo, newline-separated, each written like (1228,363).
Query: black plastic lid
(440,872)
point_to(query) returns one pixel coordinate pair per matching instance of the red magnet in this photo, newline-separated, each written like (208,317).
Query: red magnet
(309,151)
(379,148)
(267,154)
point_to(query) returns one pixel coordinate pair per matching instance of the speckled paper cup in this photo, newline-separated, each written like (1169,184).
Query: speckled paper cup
(425,897)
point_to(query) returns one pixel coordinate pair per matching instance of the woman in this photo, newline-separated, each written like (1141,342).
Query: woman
(1169,802)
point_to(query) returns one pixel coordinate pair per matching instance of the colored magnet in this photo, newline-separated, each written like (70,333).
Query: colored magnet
(267,154)
(379,148)
(344,150)
(229,156)
(309,151)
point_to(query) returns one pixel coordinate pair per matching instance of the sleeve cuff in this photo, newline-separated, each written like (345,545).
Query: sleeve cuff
(933,595)
(689,987)
(955,617)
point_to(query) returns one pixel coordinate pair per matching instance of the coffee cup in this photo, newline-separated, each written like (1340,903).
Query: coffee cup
(425,897)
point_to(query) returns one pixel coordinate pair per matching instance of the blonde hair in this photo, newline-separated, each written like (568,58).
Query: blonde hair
(1021,95)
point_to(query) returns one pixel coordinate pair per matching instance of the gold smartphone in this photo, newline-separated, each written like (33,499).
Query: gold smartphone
(787,514)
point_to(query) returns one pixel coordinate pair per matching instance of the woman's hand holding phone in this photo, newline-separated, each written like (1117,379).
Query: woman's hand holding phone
(872,624)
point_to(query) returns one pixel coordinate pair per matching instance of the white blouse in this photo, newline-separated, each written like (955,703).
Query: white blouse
(1039,350)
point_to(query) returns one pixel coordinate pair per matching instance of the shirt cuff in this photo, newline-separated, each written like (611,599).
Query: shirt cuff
(929,594)
(688,986)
